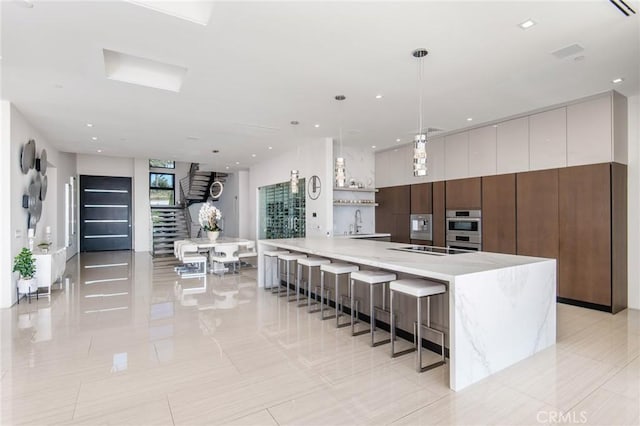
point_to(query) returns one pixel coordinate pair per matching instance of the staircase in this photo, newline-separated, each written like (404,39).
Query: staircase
(169,225)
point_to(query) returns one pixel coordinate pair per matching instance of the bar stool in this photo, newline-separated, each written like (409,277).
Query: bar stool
(269,256)
(373,279)
(336,269)
(419,289)
(288,258)
(310,262)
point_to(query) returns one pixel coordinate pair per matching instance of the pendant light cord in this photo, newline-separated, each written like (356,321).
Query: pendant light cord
(420,72)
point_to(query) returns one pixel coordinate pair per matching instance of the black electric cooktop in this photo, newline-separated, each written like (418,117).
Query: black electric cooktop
(434,251)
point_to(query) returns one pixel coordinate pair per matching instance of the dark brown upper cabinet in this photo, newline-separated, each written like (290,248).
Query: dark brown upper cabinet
(438,190)
(499,213)
(464,194)
(392,212)
(421,198)
(588,234)
(537,213)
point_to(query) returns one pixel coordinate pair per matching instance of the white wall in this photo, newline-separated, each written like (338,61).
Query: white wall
(228,205)
(360,165)
(633,200)
(7,285)
(245,220)
(312,157)
(141,209)
(16,130)
(103,165)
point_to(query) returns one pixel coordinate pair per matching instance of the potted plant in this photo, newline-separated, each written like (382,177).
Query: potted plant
(25,265)
(209,218)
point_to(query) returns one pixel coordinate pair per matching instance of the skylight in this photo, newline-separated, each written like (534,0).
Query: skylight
(194,11)
(144,72)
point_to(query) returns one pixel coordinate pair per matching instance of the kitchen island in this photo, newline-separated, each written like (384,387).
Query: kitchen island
(499,308)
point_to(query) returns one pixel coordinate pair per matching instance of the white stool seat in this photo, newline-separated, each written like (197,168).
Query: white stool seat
(274,253)
(339,268)
(417,287)
(187,258)
(313,261)
(373,277)
(290,257)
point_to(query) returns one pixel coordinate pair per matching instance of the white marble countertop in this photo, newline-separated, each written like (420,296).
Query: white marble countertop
(377,254)
(365,236)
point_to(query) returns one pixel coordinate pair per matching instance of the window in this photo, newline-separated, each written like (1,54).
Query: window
(162,164)
(162,189)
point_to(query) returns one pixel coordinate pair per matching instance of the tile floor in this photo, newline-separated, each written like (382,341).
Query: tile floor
(131,343)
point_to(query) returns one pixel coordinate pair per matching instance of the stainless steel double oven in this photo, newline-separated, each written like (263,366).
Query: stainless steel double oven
(464,229)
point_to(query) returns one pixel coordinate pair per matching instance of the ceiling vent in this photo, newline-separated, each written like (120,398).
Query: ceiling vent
(568,51)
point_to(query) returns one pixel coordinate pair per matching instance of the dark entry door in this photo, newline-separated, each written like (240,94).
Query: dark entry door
(105,213)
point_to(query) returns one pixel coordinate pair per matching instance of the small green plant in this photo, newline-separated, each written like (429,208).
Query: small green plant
(25,264)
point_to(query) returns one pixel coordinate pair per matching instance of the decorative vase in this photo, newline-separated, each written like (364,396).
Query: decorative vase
(27,286)
(213,235)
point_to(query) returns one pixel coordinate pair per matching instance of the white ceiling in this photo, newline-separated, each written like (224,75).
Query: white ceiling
(259,65)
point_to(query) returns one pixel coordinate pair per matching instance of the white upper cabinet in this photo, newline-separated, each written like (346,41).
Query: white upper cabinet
(482,151)
(435,159)
(589,132)
(513,146)
(456,155)
(548,139)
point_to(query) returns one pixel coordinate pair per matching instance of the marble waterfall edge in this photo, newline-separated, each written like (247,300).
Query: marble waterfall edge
(500,317)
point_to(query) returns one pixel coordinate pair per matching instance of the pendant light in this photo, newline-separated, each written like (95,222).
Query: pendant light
(420,139)
(340,169)
(294,172)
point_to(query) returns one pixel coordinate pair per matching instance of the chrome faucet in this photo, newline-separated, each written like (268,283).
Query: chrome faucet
(358,221)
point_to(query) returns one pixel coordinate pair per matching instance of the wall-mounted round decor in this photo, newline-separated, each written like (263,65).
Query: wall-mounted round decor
(41,163)
(314,187)
(43,187)
(216,190)
(37,210)
(32,222)
(28,156)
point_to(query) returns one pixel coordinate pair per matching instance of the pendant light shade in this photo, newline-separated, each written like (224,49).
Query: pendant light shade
(294,181)
(420,155)
(341,173)
(420,140)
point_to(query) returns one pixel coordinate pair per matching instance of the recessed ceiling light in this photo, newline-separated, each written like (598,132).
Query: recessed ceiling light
(237,162)
(316,125)
(617,80)
(527,24)
(89,125)
(94,138)
(378,96)
(99,151)
(270,147)
(227,167)
(373,146)
(398,140)
(253,155)
(469,119)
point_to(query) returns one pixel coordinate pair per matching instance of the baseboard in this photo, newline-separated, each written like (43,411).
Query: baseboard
(595,306)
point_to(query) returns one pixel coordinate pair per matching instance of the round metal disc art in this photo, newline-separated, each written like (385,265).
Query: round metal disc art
(43,187)
(28,156)
(33,194)
(32,221)
(37,210)
(216,190)
(41,164)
